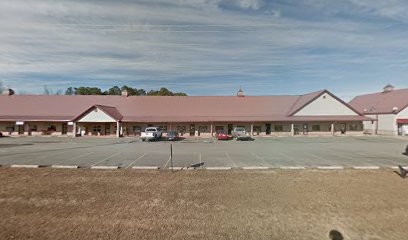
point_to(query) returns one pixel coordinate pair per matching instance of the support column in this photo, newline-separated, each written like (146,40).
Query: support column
(170,127)
(74,129)
(252,129)
(376,125)
(292,129)
(27,129)
(118,128)
(332,129)
(212,131)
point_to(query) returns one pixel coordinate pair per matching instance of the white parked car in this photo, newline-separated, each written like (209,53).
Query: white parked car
(151,133)
(239,133)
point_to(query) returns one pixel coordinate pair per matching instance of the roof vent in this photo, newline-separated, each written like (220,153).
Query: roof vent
(240,93)
(395,109)
(125,93)
(388,88)
(8,92)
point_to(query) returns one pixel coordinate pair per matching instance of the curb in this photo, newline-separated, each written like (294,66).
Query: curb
(104,167)
(218,168)
(366,167)
(255,168)
(397,168)
(64,166)
(330,167)
(145,168)
(293,168)
(176,168)
(24,166)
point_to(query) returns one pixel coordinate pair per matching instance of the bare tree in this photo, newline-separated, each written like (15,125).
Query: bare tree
(46,91)
(1,87)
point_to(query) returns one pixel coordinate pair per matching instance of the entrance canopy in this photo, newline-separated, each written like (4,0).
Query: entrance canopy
(402,120)
(99,113)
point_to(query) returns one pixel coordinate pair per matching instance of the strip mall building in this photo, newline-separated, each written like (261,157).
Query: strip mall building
(314,113)
(389,108)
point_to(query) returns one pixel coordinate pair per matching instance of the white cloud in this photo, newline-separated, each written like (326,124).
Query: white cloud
(158,41)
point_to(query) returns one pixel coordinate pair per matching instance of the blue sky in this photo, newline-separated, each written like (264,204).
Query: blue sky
(205,47)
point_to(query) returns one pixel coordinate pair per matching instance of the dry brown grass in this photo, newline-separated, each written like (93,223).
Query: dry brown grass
(126,204)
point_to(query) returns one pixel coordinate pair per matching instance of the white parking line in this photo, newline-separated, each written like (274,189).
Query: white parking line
(229,157)
(318,157)
(260,158)
(288,158)
(137,160)
(76,157)
(167,162)
(111,156)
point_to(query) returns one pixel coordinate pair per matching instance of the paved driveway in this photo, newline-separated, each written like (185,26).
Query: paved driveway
(263,152)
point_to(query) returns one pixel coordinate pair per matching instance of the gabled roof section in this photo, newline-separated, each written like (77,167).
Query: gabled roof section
(306,99)
(381,102)
(110,111)
(303,100)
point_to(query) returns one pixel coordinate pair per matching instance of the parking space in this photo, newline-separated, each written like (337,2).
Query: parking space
(263,152)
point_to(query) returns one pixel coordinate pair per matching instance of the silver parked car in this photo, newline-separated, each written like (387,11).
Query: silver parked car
(239,133)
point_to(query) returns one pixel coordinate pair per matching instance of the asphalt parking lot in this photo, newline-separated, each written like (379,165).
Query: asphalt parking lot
(275,152)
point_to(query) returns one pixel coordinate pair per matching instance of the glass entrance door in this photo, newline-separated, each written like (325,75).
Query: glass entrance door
(229,129)
(192,129)
(268,129)
(107,129)
(305,128)
(64,129)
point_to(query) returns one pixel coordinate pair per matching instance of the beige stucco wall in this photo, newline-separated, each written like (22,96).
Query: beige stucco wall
(387,123)
(325,105)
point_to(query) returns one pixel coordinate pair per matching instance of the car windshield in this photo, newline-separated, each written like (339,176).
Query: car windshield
(150,129)
(171,133)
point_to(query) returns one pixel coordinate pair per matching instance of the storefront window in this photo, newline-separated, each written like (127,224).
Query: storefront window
(316,127)
(97,128)
(278,128)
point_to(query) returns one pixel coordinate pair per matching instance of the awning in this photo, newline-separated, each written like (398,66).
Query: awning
(402,120)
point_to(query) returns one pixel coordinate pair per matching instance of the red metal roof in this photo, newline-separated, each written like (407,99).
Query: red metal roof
(381,102)
(162,108)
